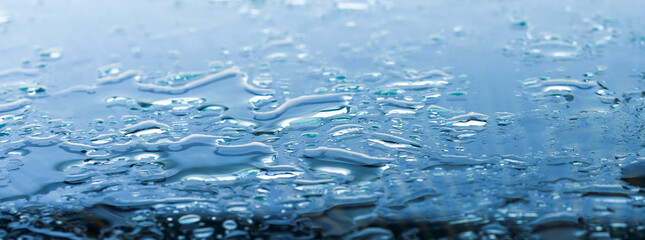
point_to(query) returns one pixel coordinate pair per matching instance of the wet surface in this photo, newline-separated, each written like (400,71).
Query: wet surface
(304,119)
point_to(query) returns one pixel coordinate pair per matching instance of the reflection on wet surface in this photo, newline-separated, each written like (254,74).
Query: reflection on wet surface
(297,119)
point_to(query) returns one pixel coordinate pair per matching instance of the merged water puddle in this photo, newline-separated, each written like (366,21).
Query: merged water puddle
(321,119)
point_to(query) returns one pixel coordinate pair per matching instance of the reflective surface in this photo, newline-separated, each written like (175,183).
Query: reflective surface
(366,119)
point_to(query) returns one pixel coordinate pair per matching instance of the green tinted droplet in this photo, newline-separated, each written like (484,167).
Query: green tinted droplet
(33,91)
(109,70)
(321,90)
(51,54)
(347,88)
(457,95)
(306,123)
(388,92)
(310,134)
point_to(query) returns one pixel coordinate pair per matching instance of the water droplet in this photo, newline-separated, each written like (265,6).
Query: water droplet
(51,54)
(203,232)
(189,219)
(229,225)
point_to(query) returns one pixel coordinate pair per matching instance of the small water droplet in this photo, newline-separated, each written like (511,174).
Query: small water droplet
(229,225)
(189,219)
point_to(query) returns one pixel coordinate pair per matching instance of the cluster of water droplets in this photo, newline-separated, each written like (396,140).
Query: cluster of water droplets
(277,139)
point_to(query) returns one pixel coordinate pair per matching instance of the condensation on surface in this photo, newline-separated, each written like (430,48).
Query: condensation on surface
(298,119)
